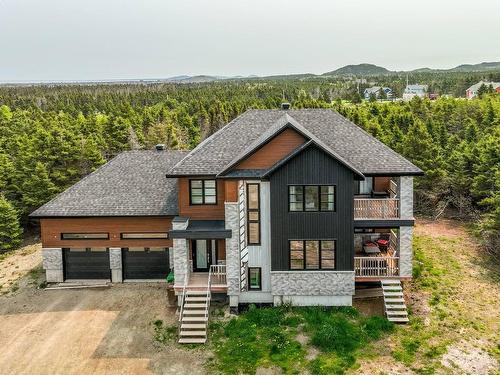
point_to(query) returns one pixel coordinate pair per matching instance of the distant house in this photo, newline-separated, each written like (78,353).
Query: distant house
(415,90)
(377,92)
(471,92)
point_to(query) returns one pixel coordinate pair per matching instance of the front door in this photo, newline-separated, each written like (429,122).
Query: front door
(203,254)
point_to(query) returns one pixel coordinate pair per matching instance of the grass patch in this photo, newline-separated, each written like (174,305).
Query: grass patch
(163,333)
(266,337)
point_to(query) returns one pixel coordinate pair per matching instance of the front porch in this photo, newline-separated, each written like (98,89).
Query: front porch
(199,280)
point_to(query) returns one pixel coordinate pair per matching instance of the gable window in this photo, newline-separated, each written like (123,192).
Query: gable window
(311,198)
(202,192)
(254,278)
(253,213)
(363,187)
(312,254)
(84,236)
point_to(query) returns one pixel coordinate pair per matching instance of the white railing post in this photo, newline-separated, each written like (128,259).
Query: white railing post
(376,266)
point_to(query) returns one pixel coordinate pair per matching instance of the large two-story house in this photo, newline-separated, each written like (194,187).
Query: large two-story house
(278,206)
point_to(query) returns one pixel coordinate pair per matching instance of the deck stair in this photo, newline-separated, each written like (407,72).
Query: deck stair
(394,302)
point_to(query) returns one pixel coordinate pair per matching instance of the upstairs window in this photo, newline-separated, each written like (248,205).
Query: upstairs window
(311,198)
(253,213)
(202,192)
(144,236)
(364,187)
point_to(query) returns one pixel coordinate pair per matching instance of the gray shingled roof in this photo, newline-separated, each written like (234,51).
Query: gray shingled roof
(131,184)
(356,147)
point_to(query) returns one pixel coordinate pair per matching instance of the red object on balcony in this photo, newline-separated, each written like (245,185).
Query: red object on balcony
(383,242)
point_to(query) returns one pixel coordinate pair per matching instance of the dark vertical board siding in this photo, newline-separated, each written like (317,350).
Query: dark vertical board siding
(312,166)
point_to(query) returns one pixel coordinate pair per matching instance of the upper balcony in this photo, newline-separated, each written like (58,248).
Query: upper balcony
(379,198)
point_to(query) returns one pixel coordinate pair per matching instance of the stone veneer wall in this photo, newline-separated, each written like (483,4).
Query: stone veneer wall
(312,283)
(115,262)
(405,251)
(52,263)
(181,254)
(232,251)
(406,197)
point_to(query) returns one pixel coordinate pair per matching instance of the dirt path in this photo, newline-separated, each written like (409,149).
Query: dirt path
(19,263)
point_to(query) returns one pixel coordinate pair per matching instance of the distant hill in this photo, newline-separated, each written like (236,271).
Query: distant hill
(476,67)
(359,69)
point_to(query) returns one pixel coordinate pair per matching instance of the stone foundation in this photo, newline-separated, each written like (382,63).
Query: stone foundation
(405,251)
(115,262)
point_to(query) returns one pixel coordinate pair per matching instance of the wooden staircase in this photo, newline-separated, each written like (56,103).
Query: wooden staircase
(194,317)
(394,302)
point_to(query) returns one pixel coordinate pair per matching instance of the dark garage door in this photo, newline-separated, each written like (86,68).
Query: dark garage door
(145,263)
(86,264)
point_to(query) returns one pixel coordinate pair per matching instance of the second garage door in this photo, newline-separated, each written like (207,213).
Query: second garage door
(145,263)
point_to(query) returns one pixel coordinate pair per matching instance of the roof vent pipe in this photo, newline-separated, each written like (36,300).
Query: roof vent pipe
(160,147)
(285,106)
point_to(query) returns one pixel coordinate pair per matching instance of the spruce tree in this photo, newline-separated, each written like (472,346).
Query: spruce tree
(10,230)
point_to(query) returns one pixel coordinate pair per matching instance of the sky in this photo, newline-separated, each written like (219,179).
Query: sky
(59,40)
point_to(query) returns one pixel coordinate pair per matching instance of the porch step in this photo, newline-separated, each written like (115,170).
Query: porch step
(194,318)
(397,313)
(195,305)
(196,292)
(394,300)
(192,326)
(196,299)
(394,294)
(395,307)
(185,340)
(391,287)
(193,312)
(193,333)
(391,282)
(398,320)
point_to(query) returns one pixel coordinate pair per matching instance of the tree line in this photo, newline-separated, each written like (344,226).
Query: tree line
(50,137)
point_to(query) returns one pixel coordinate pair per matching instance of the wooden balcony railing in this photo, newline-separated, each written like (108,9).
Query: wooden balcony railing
(376,266)
(218,274)
(368,208)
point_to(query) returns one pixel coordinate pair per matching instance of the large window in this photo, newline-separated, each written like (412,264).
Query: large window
(202,192)
(253,213)
(311,198)
(144,236)
(84,236)
(312,254)
(254,278)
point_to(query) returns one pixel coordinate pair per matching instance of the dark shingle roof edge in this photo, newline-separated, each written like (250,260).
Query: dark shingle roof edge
(131,184)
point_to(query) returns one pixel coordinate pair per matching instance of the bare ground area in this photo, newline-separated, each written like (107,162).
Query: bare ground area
(18,264)
(455,309)
(87,331)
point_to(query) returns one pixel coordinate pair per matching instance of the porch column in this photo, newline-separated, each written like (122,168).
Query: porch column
(232,254)
(405,251)
(405,188)
(115,262)
(181,253)
(52,262)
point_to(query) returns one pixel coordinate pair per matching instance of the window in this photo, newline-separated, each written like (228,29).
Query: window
(364,187)
(311,198)
(202,192)
(253,213)
(84,236)
(144,236)
(254,278)
(312,254)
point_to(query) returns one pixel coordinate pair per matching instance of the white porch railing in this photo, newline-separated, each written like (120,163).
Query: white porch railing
(368,208)
(218,274)
(376,266)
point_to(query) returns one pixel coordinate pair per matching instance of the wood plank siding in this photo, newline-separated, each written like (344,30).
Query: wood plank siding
(231,190)
(51,230)
(273,151)
(312,167)
(201,211)
(381,183)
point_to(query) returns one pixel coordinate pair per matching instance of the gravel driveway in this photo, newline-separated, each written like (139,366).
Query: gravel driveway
(89,331)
